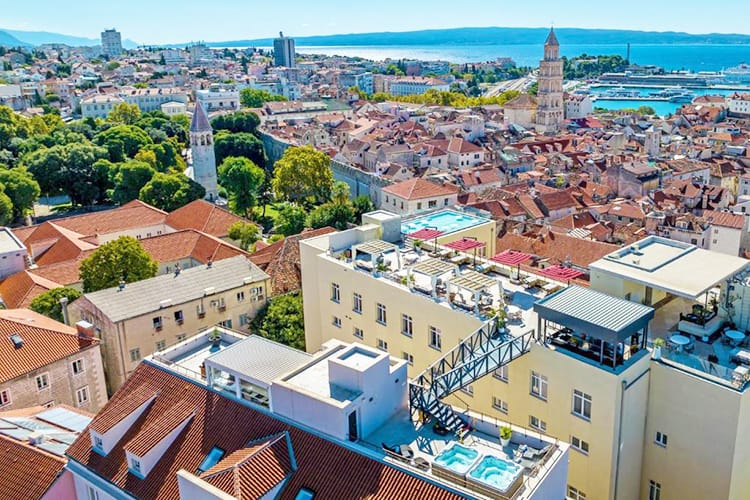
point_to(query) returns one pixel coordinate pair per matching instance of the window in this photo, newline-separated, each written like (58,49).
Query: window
(256,293)
(382,319)
(419,206)
(501,373)
(244,319)
(227,323)
(157,322)
(5,397)
(240,296)
(178,316)
(579,445)
(432,204)
(575,493)
(660,439)
(382,345)
(78,367)
(468,390)
(581,404)
(359,333)
(335,292)
(357,303)
(435,340)
(98,442)
(212,458)
(305,494)
(92,493)
(181,337)
(654,490)
(82,395)
(337,322)
(537,424)
(42,381)
(135,354)
(161,345)
(135,465)
(539,385)
(500,405)
(408,358)
(407,325)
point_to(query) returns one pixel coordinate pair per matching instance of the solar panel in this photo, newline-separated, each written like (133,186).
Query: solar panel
(56,448)
(67,419)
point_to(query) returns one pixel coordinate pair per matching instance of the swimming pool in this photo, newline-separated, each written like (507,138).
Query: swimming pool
(496,473)
(457,458)
(447,221)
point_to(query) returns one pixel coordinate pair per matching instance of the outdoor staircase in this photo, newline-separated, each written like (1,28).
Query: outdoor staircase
(480,354)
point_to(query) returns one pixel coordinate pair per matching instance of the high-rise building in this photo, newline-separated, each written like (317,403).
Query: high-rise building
(202,151)
(283,51)
(549,113)
(111,42)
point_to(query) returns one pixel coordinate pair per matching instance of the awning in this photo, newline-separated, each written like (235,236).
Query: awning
(465,244)
(560,273)
(510,257)
(425,234)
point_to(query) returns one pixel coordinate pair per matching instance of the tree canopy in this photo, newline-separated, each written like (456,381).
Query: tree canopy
(129,179)
(170,191)
(20,186)
(338,213)
(241,121)
(303,174)
(123,141)
(243,180)
(447,98)
(123,258)
(282,321)
(124,113)
(48,303)
(256,98)
(239,144)
(245,233)
(290,220)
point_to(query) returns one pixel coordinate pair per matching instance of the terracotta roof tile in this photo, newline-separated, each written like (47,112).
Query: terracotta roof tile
(203,216)
(725,219)
(558,247)
(153,434)
(44,341)
(188,243)
(323,466)
(131,215)
(418,188)
(18,290)
(27,472)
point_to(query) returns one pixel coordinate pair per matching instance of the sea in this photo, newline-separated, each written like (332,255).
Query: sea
(671,57)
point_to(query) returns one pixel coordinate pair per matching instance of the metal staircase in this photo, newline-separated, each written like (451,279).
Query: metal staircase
(480,354)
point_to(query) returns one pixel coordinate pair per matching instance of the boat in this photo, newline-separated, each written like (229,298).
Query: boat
(685,97)
(620,92)
(668,92)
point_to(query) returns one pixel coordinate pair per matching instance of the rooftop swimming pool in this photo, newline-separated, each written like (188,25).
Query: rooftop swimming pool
(457,458)
(496,473)
(446,221)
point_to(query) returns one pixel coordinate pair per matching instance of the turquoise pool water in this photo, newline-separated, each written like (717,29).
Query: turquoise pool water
(457,458)
(447,221)
(496,472)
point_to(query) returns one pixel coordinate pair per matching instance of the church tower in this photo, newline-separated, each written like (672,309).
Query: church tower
(202,152)
(549,113)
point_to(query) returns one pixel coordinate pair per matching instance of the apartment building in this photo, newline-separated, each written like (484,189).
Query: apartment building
(418,195)
(575,364)
(111,42)
(219,99)
(331,425)
(409,85)
(47,363)
(141,318)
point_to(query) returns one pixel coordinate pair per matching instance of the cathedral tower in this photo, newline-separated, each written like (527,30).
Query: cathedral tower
(202,152)
(549,113)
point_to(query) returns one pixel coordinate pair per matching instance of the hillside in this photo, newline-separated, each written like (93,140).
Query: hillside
(8,40)
(41,37)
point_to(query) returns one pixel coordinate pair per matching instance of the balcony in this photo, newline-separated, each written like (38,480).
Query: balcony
(601,353)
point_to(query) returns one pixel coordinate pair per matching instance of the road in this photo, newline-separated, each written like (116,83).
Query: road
(518,84)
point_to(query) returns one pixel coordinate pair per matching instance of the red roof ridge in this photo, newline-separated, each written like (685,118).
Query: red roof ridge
(145,440)
(134,400)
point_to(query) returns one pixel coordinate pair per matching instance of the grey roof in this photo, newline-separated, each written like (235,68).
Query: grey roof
(260,359)
(200,122)
(146,296)
(551,38)
(597,313)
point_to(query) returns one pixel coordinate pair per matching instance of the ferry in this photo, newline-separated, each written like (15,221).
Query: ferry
(669,92)
(621,92)
(685,97)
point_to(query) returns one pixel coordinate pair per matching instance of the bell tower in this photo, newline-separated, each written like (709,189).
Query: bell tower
(550,112)
(202,152)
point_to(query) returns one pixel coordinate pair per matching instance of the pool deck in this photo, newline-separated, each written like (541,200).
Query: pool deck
(426,445)
(446,220)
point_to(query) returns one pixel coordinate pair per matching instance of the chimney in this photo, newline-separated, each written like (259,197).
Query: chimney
(64,306)
(121,285)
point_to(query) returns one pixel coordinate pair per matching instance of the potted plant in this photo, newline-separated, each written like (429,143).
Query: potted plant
(505,434)
(417,245)
(215,337)
(658,344)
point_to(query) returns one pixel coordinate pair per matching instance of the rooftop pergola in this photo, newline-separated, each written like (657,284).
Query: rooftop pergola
(426,233)
(375,249)
(434,269)
(476,284)
(466,244)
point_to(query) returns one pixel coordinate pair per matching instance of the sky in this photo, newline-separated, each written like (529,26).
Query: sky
(177,21)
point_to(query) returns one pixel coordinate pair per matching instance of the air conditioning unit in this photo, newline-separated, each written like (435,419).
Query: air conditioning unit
(222,304)
(201,311)
(36,438)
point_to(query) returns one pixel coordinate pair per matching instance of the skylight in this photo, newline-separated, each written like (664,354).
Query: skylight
(17,340)
(211,459)
(305,494)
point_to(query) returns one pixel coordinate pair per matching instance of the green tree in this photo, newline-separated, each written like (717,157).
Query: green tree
(331,214)
(129,178)
(48,303)
(256,98)
(6,208)
(282,321)
(240,144)
(123,258)
(241,121)
(290,220)
(645,110)
(245,233)
(243,180)
(303,174)
(362,204)
(122,141)
(170,191)
(124,113)
(21,188)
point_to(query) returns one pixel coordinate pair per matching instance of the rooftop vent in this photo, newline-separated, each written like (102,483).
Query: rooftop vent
(209,291)
(36,438)
(165,303)
(17,340)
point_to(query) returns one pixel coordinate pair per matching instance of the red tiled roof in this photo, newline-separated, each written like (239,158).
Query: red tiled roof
(188,243)
(725,219)
(18,290)
(465,244)
(511,257)
(131,215)
(44,341)
(26,472)
(418,188)
(323,466)
(151,436)
(203,216)
(557,246)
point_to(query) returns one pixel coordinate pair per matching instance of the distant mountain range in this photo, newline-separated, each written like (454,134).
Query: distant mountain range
(501,36)
(15,38)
